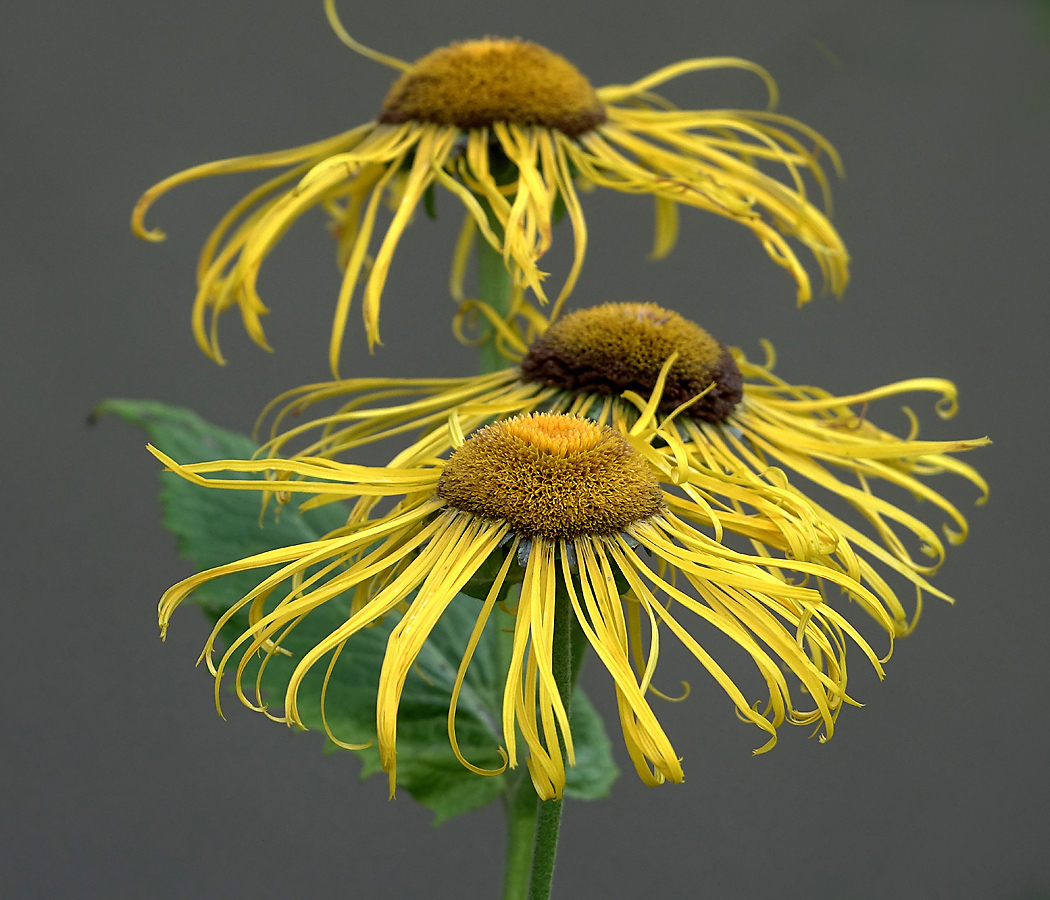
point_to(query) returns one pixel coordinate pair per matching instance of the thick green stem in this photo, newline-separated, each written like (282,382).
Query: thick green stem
(494,288)
(548,822)
(532,827)
(548,825)
(520,804)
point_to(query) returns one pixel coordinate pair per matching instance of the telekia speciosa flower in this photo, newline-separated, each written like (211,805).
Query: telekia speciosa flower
(744,451)
(511,129)
(573,511)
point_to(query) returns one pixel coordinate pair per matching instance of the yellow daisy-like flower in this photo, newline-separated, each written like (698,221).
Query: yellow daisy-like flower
(510,128)
(571,502)
(720,429)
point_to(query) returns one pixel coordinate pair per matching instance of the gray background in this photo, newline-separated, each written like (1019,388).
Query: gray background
(118,778)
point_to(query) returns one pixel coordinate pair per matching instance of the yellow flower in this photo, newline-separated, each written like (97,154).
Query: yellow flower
(720,429)
(572,503)
(511,128)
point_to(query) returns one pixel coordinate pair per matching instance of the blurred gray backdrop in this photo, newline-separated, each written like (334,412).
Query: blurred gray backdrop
(119,780)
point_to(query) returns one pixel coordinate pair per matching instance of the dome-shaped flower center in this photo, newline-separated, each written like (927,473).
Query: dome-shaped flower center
(555,476)
(476,83)
(618,347)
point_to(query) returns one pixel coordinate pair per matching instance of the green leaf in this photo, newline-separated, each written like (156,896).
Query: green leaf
(213,527)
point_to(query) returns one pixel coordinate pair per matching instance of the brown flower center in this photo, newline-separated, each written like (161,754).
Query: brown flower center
(555,476)
(621,347)
(476,83)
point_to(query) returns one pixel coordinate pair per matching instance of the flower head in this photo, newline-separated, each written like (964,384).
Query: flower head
(620,347)
(743,451)
(510,129)
(553,476)
(477,84)
(571,502)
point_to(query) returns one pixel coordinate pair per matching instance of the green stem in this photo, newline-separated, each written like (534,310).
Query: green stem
(548,821)
(532,827)
(494,288)
(520,803)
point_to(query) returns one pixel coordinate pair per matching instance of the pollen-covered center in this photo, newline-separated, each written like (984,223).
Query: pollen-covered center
(619,347)
(555,476)
(476,83)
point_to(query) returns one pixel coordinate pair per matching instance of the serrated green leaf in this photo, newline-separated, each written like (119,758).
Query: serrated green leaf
(214,527)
